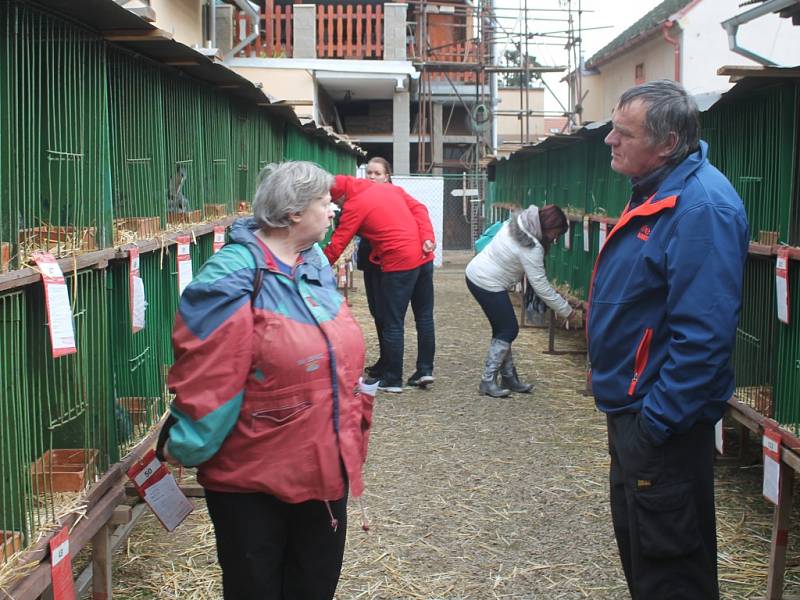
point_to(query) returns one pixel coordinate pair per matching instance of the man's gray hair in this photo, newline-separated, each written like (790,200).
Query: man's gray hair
(287,188)
(668,109)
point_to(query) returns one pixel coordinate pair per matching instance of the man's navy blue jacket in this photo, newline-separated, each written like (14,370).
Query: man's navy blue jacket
(665,299)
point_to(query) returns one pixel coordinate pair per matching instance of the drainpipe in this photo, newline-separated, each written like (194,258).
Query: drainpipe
(731,26)
(212,23)
(666,27)
(252,10)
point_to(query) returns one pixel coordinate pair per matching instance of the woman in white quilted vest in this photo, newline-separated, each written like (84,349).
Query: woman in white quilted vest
(518,248)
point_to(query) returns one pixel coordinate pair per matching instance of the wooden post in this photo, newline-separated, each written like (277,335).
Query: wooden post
(101,564)
(780,534)
(368,31)
(269,13)
(339,31)
(378,31)
(359,26)
(349,32)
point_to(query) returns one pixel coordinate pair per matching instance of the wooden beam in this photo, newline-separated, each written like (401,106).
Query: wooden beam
(136,35)
(738,72)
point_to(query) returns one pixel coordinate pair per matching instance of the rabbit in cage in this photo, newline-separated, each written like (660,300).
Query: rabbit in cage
(177,202)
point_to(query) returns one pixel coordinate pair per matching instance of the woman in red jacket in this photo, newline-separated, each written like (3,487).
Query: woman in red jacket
(267,402)
(403,242)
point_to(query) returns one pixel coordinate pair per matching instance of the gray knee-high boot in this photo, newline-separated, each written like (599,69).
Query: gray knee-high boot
(509,378)
(494,359)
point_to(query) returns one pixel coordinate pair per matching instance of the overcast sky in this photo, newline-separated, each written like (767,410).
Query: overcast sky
(601,22)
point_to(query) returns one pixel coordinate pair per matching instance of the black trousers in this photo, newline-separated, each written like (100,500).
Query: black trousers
(662,507)
(272,550)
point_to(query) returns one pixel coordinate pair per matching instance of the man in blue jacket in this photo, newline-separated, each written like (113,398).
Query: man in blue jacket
(664,305)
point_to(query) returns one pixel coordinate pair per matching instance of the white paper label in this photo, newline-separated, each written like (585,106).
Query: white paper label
(568,236)
(168,502)
(184,274)
(601,239)
(772,478)
(586,247)
(719,437)
(62,333)
(139,304)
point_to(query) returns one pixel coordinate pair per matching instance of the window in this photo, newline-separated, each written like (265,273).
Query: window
(638,75)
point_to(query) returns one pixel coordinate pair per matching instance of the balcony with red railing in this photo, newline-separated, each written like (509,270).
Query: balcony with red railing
(342,31)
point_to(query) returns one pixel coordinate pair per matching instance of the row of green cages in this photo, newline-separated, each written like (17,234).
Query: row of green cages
(64,421)
(752,138)
(99,146)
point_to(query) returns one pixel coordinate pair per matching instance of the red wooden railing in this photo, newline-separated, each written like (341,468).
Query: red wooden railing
(350,31)
(275,32)
(342,32)
(457,52)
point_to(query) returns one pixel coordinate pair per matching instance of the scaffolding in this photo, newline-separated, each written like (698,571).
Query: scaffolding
(479,34)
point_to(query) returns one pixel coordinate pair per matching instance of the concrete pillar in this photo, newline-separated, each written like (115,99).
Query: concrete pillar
(401,118)
(394,31)
(437,146)
(305,31)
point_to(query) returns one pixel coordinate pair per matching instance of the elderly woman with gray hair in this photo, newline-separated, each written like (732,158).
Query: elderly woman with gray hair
(518,247)
(268,404)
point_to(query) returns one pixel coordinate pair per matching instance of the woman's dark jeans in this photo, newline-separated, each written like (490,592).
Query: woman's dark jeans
(398,289)
(498,309)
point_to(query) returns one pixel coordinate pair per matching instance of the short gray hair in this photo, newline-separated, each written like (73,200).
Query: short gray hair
(669,110)
(287,188)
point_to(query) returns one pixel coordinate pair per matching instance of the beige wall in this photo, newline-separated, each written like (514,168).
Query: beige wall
(182,18)
(618,75)
(295,86)
(592,90)
(508,126)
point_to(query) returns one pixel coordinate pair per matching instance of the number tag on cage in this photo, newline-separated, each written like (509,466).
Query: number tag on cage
(61,567)
(601,239)
(160,491)
(772,462)
(219,238)
(568,236)
(184,263)
(57,306)
(137,297)
(782,284)
(586,240)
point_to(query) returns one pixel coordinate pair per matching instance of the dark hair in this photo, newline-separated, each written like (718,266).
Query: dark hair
(387,166)
(551,217)
(669,110)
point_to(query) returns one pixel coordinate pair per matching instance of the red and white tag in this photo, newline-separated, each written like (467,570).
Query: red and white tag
(568,236)
(184,263)
(772,462)
(57,306)
(342,276)
(601,240)
(586,240)
(219,238)
(61,567)
(782,284)
(160,491)
(137,298)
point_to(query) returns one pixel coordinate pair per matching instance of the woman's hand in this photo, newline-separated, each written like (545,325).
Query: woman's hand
(428,246)
(168,457)
(574,320)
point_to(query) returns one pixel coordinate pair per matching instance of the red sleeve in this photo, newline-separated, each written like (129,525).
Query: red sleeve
(420,212)
(348,226)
